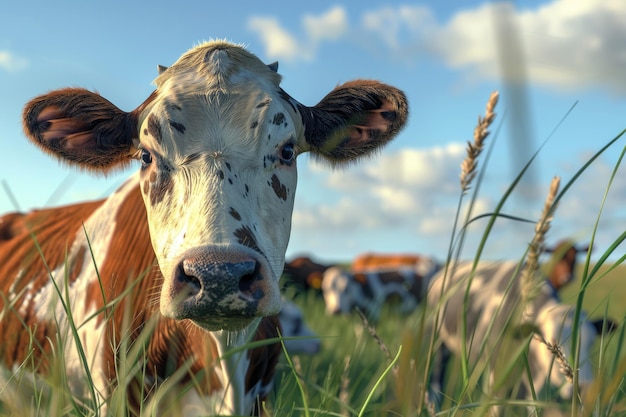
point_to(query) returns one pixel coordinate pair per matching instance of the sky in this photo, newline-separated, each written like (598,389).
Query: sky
(558,66)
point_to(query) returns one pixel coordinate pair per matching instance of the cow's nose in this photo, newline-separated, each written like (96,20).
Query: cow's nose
(210,284)
(194,277)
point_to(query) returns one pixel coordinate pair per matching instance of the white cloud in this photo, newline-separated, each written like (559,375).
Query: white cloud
(11,62)
(567,44)
(564,43)
(330,26)
(408,200)
(281,44)
(400,185)
(278,42)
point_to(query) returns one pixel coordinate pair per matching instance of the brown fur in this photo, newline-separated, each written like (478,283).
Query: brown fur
(129,269)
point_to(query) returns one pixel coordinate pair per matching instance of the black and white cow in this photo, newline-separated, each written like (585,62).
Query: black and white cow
(344,290)
(299,338)
(481,302)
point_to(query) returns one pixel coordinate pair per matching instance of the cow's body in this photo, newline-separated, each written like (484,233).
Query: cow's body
(486,303)
(299,337)
(376,261)
(119,244)
(344,290)
(181,264)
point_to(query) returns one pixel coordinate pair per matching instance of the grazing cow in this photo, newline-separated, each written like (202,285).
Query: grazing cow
(192,246)
(344,290)
(292,324)
(377,261)
(562,263)
(480,303)
(304,273)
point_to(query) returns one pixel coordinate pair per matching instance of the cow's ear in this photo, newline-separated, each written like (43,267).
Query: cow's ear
(607,326)
(354,120)
(524,330)
(81,128)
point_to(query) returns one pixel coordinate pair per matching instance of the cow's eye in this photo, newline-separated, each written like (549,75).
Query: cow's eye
(145,157)
(287,153)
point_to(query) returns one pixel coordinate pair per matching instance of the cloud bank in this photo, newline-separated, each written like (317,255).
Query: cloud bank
(566,44)
(410,198)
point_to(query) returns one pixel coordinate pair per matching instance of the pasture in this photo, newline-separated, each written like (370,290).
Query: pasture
(379,369)
(353,375)
(342,378)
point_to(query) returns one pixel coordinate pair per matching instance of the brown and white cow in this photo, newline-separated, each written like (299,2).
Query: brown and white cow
(304,273)
(192,246)
(377,261)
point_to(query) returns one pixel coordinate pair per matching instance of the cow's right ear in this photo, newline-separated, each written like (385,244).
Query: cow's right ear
(607,326)
(81,128)
(354,120)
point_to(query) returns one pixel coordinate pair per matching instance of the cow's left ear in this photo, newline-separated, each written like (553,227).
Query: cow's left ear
(524,330)
(353,120)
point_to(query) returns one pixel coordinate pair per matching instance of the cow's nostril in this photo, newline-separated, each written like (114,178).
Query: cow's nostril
(187,279)
(247,281)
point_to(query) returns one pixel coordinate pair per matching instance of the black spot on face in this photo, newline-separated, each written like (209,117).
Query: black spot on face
(269,160)
(279,189)
(161,184)
(235,214)
(178,126)
(263,103)
(220,174)
(254,124)
(228,166)
(154,128)
(279,118)
(245,236)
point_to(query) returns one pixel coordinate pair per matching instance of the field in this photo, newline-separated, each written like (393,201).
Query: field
(383,368)
(345,378)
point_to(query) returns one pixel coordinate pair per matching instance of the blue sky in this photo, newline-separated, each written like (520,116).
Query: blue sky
(447,58)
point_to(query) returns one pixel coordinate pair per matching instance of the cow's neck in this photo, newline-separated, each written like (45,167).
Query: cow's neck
(232,368)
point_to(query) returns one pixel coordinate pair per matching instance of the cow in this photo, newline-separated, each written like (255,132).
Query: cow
(304,273)
(481,302)
(376,261)
(562,264)
(298,336)
(344,290)
(185,257)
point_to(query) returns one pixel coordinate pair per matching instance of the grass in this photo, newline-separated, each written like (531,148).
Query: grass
(383,369)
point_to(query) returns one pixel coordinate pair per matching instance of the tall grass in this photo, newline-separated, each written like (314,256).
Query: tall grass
(382,369)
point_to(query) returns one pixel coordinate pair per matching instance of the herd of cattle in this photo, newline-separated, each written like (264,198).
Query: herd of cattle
(483,296)
(182,263)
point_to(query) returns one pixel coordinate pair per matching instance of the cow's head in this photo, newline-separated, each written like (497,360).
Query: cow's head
(217,142)
(561,266)
(341,291)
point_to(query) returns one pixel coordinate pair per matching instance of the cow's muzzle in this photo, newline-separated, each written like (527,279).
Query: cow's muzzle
(220,288)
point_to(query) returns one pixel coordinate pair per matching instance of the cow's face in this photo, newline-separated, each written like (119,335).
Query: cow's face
(217,142)
(339,290)
(218,176)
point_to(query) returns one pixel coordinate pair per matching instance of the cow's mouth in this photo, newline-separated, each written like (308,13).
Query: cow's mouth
(231,324)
